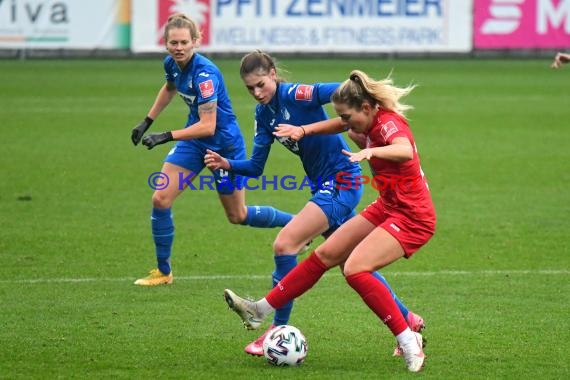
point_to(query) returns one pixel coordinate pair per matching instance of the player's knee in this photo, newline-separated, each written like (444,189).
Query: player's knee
(161,200)
(327,256)
(351,267)
(347,271)
(283,245)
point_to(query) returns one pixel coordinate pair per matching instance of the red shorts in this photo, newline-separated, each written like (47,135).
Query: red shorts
(410,234)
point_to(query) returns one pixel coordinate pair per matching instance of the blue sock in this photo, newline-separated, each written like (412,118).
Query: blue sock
(401,306)
(163,235)
(266,216)
(283,265)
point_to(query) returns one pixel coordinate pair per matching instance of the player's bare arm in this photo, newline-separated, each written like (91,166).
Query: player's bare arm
(330,126)
(164,97)
(399,151)
(295,132)
(204,128)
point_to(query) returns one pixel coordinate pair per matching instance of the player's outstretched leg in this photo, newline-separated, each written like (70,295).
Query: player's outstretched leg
(246,310)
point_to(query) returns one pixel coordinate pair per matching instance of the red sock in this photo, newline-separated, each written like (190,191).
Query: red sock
(378,298)
(298,281)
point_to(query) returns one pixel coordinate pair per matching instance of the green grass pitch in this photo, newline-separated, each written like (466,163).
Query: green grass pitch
(493,284)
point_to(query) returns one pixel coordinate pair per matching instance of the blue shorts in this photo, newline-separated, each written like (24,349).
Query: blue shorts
(337,204)
(190,155)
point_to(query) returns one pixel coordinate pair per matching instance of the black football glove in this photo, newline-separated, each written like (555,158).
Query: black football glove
(150,141)
(138,131)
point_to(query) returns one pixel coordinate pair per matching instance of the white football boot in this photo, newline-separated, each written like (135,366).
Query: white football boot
(246,309)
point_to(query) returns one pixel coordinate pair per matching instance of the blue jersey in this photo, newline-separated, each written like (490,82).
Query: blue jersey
(201,82)
(298,104)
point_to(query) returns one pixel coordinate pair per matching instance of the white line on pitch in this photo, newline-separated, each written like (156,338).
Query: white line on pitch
(265,277)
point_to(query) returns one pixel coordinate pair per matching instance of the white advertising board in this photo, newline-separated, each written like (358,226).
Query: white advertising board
(64,24)
(312,25)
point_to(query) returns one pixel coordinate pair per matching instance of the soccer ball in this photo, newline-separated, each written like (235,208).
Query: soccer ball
(285,346)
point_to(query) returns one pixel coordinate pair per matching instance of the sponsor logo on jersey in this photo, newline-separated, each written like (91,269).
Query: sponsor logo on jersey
(388,129)
(207,88)
(304,92)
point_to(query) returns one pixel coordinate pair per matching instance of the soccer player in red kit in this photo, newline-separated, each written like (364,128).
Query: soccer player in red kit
(400,221)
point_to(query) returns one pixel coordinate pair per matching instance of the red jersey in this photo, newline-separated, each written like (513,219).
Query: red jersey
(402,185)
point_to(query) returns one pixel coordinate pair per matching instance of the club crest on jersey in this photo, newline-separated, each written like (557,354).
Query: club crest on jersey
(207,88)
(304,92)
(388,129)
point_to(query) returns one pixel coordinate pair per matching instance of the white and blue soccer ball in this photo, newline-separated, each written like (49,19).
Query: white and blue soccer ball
(285,346)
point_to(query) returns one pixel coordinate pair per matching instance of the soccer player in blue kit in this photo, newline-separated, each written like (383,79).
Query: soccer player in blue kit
(211,125)
(321,157)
